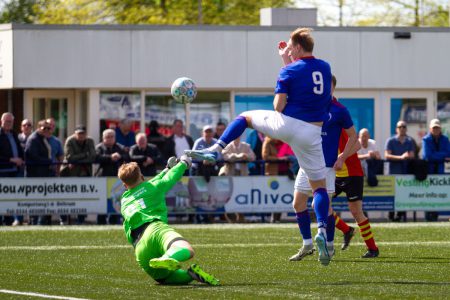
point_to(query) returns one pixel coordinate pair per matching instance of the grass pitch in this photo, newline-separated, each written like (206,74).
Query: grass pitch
(95,262)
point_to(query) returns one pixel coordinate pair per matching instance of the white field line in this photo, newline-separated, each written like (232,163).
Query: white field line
(39,295)
(250,245)
(214,226)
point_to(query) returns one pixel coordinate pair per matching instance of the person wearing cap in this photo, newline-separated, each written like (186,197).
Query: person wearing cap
(436,148)
(80,154)
(204,168)
(399,150)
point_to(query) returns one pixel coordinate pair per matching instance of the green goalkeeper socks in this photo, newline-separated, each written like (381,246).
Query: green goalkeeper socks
(178,253)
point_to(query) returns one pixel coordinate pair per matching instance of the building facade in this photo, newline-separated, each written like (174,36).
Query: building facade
(96,75)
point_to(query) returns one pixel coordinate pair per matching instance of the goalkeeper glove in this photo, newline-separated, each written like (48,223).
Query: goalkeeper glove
(187,160)
(171,162)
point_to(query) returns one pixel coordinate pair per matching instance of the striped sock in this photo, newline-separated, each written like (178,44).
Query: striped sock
(340,224)
(367,235)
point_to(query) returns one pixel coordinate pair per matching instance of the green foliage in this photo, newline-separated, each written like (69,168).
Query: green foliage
(95,262)
(18,11)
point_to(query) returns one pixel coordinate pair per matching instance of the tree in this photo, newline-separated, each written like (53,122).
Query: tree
(17,11)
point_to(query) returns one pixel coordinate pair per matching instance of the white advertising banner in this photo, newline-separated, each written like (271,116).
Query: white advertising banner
(261,194)
(42,196)
(432,194)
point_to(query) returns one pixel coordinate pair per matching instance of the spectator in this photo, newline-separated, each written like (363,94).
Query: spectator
(178,141)
(110,155)
(26,128)
(205,168)
(146,155)
(125,135)
(368,149)
(270,155)
(233,152)
(80,154)
(255,139)
(57,148)
(398,151)
(155,137)
(436,151)
(11,156)
(220,128)
(285,153)
(38,157)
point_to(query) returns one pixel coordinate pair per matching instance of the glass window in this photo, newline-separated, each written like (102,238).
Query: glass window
(443,111)
(208,109)
(362,113)
(251,102)
(164,110)
(115,106)
(414,113)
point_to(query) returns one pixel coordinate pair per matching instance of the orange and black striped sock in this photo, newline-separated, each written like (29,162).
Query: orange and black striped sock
(367,235)
(340,224)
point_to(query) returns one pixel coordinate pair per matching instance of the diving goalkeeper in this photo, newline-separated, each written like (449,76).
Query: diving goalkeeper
(159,249)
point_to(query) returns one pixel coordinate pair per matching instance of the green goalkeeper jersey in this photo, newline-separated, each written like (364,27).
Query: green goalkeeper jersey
(147,202)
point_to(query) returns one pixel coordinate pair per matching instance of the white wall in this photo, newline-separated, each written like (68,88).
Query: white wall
(240,58)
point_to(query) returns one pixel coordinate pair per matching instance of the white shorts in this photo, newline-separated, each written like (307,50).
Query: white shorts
(302,182)
(304,138)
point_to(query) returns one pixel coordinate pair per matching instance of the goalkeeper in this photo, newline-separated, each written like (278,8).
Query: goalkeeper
(159,249)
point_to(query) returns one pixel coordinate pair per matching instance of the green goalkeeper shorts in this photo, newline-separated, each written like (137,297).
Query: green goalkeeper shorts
(157,238)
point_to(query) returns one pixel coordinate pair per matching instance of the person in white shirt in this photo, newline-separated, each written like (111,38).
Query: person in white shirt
(368,149)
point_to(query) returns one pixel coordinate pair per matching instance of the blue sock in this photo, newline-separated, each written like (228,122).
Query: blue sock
(234,130)
(304,224)
(321,205)
(330,228)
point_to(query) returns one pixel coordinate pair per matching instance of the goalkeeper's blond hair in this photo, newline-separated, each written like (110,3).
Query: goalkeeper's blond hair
(129,173)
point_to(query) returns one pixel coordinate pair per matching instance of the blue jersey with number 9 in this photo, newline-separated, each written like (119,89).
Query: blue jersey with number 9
(307,83)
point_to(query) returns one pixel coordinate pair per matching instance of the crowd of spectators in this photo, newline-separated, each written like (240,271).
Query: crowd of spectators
(40,153)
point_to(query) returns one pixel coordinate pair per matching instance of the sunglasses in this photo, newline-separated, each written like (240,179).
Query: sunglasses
(26,125)
(401,126)
(47,128)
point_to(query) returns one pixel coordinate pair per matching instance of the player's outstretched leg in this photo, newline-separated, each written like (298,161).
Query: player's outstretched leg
(232,132)
(348,231)
(201,276)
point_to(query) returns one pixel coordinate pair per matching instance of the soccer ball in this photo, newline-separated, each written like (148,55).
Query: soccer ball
(183,90)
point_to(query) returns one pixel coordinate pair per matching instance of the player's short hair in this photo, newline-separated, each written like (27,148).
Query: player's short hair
(333,80)
(302,37)
(129,173)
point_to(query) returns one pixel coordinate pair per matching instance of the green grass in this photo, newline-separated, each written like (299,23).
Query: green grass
(250,260)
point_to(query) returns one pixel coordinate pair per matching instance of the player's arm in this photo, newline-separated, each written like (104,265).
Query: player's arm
(172,176)
(351,147)
(279,102)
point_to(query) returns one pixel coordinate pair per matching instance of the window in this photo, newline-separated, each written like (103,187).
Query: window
(208,109)
(164,110)
(362,113)
(115,106)
(443,111)
(414,112)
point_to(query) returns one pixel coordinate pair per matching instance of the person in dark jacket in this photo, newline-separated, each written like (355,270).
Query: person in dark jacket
(436,151)
(146,155)
(38,157)
(38,154)
(110,156)
(11,153)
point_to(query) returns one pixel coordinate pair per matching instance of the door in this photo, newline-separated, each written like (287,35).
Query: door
(59,105)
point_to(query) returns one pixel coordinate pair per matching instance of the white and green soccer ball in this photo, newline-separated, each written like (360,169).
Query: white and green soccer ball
(183,90)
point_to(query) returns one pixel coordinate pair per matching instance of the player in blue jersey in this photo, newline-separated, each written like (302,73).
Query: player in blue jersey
(339,118)
(301,103)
